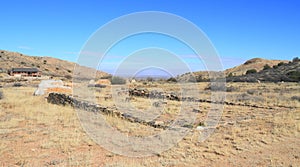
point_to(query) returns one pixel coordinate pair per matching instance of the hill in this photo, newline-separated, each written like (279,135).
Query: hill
(47,65)
(256,64)
(289,72)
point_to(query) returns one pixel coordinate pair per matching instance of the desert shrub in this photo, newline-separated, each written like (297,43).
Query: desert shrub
(22,62)
(97,85)
(172,79)
(69,71)
(243,97)
(1,95)
(106,77)
(115,80)
(45,61)
(68,77)
(251,71)
(295,75)
(266,67)
(201,123)
(199,78)
(251,91)
(17,84)
(188,126)
(296,98)
(216,86)
(149,79)
(230,75)
(231,89)
(57,68)
(280,64)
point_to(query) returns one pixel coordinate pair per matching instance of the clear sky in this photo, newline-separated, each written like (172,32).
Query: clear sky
(239,29)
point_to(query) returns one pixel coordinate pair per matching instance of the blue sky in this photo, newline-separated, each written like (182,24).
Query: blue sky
(239,29)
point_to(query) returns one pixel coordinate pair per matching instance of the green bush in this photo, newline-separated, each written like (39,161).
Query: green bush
(295,75)
(280,64)
(266,67)
(172,79)
(115,80)
(251,71)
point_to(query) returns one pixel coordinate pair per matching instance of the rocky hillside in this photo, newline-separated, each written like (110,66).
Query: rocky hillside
(47,65)
(289,72)
(256,64)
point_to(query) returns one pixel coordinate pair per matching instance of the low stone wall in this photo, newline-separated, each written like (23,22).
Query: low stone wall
(153,94)
(171,96)
(62,99)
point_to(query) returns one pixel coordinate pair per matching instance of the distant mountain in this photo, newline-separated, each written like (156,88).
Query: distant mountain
(47,65)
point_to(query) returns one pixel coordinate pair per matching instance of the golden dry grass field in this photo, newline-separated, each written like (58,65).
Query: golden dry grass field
(36,133)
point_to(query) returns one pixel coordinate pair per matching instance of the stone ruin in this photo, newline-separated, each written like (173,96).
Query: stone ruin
(62,99)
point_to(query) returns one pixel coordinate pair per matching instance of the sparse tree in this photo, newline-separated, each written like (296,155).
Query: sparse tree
(296,59)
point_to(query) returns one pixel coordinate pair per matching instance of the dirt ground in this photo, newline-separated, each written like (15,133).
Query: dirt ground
(36,133)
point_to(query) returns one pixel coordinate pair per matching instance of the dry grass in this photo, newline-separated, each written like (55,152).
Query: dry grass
(35,133)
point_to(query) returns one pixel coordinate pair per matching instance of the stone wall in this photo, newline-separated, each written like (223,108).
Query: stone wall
(172,96)
(62,99)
